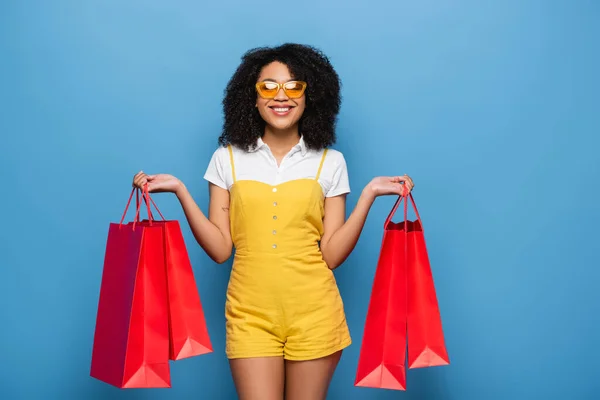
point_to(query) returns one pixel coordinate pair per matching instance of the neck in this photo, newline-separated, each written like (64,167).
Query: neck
(281,140)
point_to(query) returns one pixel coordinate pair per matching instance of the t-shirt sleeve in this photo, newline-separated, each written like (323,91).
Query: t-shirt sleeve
(218,170)
(340,183)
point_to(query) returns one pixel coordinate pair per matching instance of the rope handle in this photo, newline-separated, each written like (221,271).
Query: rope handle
(147,200)
(391,214)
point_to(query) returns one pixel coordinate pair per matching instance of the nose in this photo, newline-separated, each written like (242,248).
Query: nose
(281,96)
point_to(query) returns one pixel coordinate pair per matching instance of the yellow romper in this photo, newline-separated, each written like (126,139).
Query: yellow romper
(282,298)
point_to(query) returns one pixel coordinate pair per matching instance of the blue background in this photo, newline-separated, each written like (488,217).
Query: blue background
(491,106)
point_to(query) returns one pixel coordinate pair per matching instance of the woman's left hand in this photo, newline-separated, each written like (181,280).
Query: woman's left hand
(390,185)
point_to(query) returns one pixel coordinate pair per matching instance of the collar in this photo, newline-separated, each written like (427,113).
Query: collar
(301,146)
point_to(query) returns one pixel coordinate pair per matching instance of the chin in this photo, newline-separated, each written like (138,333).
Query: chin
(282,124)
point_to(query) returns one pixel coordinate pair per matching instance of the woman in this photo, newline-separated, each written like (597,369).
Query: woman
(278,195)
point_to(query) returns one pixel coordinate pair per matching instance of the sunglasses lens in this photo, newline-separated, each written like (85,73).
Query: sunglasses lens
(268,89)
(294,89)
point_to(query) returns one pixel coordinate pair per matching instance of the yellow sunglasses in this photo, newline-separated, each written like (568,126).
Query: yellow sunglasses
(269,89)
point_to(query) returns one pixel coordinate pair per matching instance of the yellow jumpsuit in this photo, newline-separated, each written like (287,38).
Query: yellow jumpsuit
(282,299)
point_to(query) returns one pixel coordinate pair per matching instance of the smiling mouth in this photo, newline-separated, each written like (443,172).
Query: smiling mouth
(281,110)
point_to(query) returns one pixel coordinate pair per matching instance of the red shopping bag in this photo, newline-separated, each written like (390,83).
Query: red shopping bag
(188,331)
(131,338)
(426,344)
(403,309)
(382,360)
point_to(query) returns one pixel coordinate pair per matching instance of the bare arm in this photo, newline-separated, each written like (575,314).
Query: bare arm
(340,236)
(212,233)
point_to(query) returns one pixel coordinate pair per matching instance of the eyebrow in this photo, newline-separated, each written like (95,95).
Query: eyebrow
(273,80)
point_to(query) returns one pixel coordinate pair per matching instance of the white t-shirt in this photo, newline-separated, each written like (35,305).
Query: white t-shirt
(260,165)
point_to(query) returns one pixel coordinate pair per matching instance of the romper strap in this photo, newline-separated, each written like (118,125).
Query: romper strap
(321,165)
(232,164)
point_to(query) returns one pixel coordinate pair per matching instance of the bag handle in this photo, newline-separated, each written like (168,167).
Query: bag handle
(145,197)
(391,214)
(137,203)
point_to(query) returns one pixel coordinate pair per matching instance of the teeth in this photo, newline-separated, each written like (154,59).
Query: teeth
(281,109)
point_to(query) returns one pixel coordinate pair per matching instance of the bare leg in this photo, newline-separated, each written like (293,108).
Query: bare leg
(309,380)
(258,378)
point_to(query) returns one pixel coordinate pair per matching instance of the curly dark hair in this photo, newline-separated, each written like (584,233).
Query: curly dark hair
(243,124)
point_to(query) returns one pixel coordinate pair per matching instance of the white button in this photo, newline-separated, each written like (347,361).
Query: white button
(275,204)
(274,232)
(274,216)
(274,246)
(274,190)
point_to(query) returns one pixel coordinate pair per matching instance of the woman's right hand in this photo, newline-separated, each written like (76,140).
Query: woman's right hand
(157,183)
